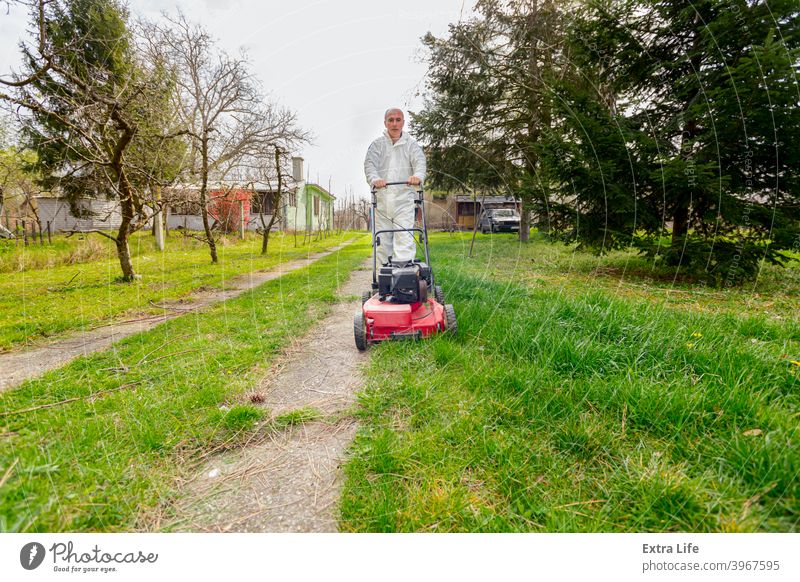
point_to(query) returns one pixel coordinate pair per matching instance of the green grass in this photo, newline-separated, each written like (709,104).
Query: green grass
(16,257)
(299,416)
(41,303)
(110,461)
(583,394)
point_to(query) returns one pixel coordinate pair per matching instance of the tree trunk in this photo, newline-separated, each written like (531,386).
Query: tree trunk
(124,256)
(680,214)
(539,110)
(477,216)
(267,230)
(276,204)
(680,222)
(212,245)
(123,250)
(524,219)
(127,206)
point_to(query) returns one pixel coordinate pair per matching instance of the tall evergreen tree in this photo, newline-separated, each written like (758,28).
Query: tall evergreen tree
(489,102)
(700,101)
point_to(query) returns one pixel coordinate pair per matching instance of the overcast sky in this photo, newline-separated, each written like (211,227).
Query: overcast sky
(338,64)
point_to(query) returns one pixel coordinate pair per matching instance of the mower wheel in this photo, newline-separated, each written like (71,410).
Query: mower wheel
(451,325)
(360,330)
(366,296)
(438,294)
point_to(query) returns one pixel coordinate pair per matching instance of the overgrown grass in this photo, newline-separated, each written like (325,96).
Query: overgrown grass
(108,461)
(16,257)
(580,396)
(623,273)
(46,302)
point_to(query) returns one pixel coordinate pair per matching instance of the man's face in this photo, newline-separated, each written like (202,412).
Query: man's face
(394,124)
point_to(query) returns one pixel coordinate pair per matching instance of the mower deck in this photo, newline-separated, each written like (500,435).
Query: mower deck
(385,320)
(380,320)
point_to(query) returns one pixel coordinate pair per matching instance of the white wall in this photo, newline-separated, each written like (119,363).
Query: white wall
(185,221)
(57,212)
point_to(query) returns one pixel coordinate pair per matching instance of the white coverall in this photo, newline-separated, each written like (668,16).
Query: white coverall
(395,162)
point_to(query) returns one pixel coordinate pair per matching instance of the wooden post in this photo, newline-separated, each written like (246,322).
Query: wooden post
(24,233)
(158,228)
(241,219)
(41,235)
(49,239)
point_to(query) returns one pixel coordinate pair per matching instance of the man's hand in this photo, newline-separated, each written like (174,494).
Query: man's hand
(378,184)
(413,180)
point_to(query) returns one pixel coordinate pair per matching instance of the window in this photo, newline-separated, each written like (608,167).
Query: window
(505,212)
(186,208)
(292,198)
(466,208)
(262,202)
(316,205)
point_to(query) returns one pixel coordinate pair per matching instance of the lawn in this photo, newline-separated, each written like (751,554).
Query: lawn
(583,394)
(101,444)
(86,291)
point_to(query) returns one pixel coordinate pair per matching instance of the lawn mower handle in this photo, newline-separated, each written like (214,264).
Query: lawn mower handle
(418,186)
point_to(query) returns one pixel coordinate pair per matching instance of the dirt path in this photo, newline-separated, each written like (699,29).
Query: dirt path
(18,366)
(289,481)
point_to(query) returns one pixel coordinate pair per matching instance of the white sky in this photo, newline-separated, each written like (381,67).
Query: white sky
(338,64)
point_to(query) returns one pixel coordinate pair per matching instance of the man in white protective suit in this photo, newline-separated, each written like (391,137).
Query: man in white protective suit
(395,157)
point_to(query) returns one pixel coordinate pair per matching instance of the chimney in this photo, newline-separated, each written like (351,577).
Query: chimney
(297,168)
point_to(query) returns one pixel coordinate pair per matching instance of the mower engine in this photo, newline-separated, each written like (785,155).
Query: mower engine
(404,283)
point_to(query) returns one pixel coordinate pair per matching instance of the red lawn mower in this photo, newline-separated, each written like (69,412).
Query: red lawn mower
(398,306)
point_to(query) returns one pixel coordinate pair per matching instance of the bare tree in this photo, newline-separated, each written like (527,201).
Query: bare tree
(362,210)
(276,198)
(232,128)
(88,102)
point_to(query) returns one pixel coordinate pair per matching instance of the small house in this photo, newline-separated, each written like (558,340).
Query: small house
(309,208)
(91,214)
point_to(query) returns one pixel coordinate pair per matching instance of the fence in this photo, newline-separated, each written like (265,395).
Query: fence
(27,232)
